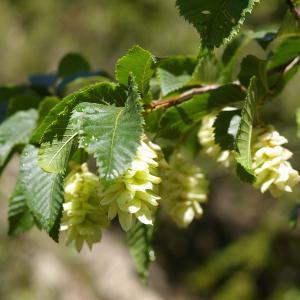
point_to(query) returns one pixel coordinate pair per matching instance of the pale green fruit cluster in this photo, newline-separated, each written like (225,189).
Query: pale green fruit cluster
(83,216)
(184,189)
(132,196)
(270,162)
(207,140)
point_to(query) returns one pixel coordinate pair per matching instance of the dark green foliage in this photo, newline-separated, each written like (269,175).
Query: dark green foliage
(72,63)
(216,21)
(26,100)
(226,127)
(139,241)
(253,66)
(180,118)
(9,91)
(19,216)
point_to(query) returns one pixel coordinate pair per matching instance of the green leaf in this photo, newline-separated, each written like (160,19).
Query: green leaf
(9,91)
(289,25)
(243,155)
(217,21)
(82,82)
(43,192)
(285,52)
(208,70)
(253,66)
(175,72)
(179,119)
(19,217)
(112,134)
(15,131)
(240,46)
(57,119)
(55,154)
(46,105)
(28,99)
(139,241)
(226,127)
(141,64)
(72,63)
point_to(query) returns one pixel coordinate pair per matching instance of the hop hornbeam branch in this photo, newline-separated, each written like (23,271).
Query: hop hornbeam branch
(165,103)
(186,95)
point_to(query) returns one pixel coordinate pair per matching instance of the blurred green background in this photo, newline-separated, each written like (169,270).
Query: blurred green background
(241,249)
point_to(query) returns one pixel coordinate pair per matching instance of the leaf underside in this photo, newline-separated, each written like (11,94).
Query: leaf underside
(243,140)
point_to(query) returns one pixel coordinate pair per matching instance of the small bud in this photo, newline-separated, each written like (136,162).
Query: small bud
(270,162)
(184,188)
(132,195)
(83,216)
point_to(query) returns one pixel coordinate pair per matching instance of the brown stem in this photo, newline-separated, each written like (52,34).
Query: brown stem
(294,10)
(283,70)
(168,102)
(182,97)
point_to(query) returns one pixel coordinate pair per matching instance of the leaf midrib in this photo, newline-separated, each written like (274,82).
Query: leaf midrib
(113,141)
(61,148)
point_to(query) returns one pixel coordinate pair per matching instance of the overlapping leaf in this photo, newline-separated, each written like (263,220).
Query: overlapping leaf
(16,130)
(180,118)
(175,72)
(141,64)
(43,192)
(139,241)
(24,101)
(226,126)
(46,105)
(19,217)
(208,70)
(253,66)
(57,119)
(112,134)
(54,156)
(243,139)
(288,50)
(72,63)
